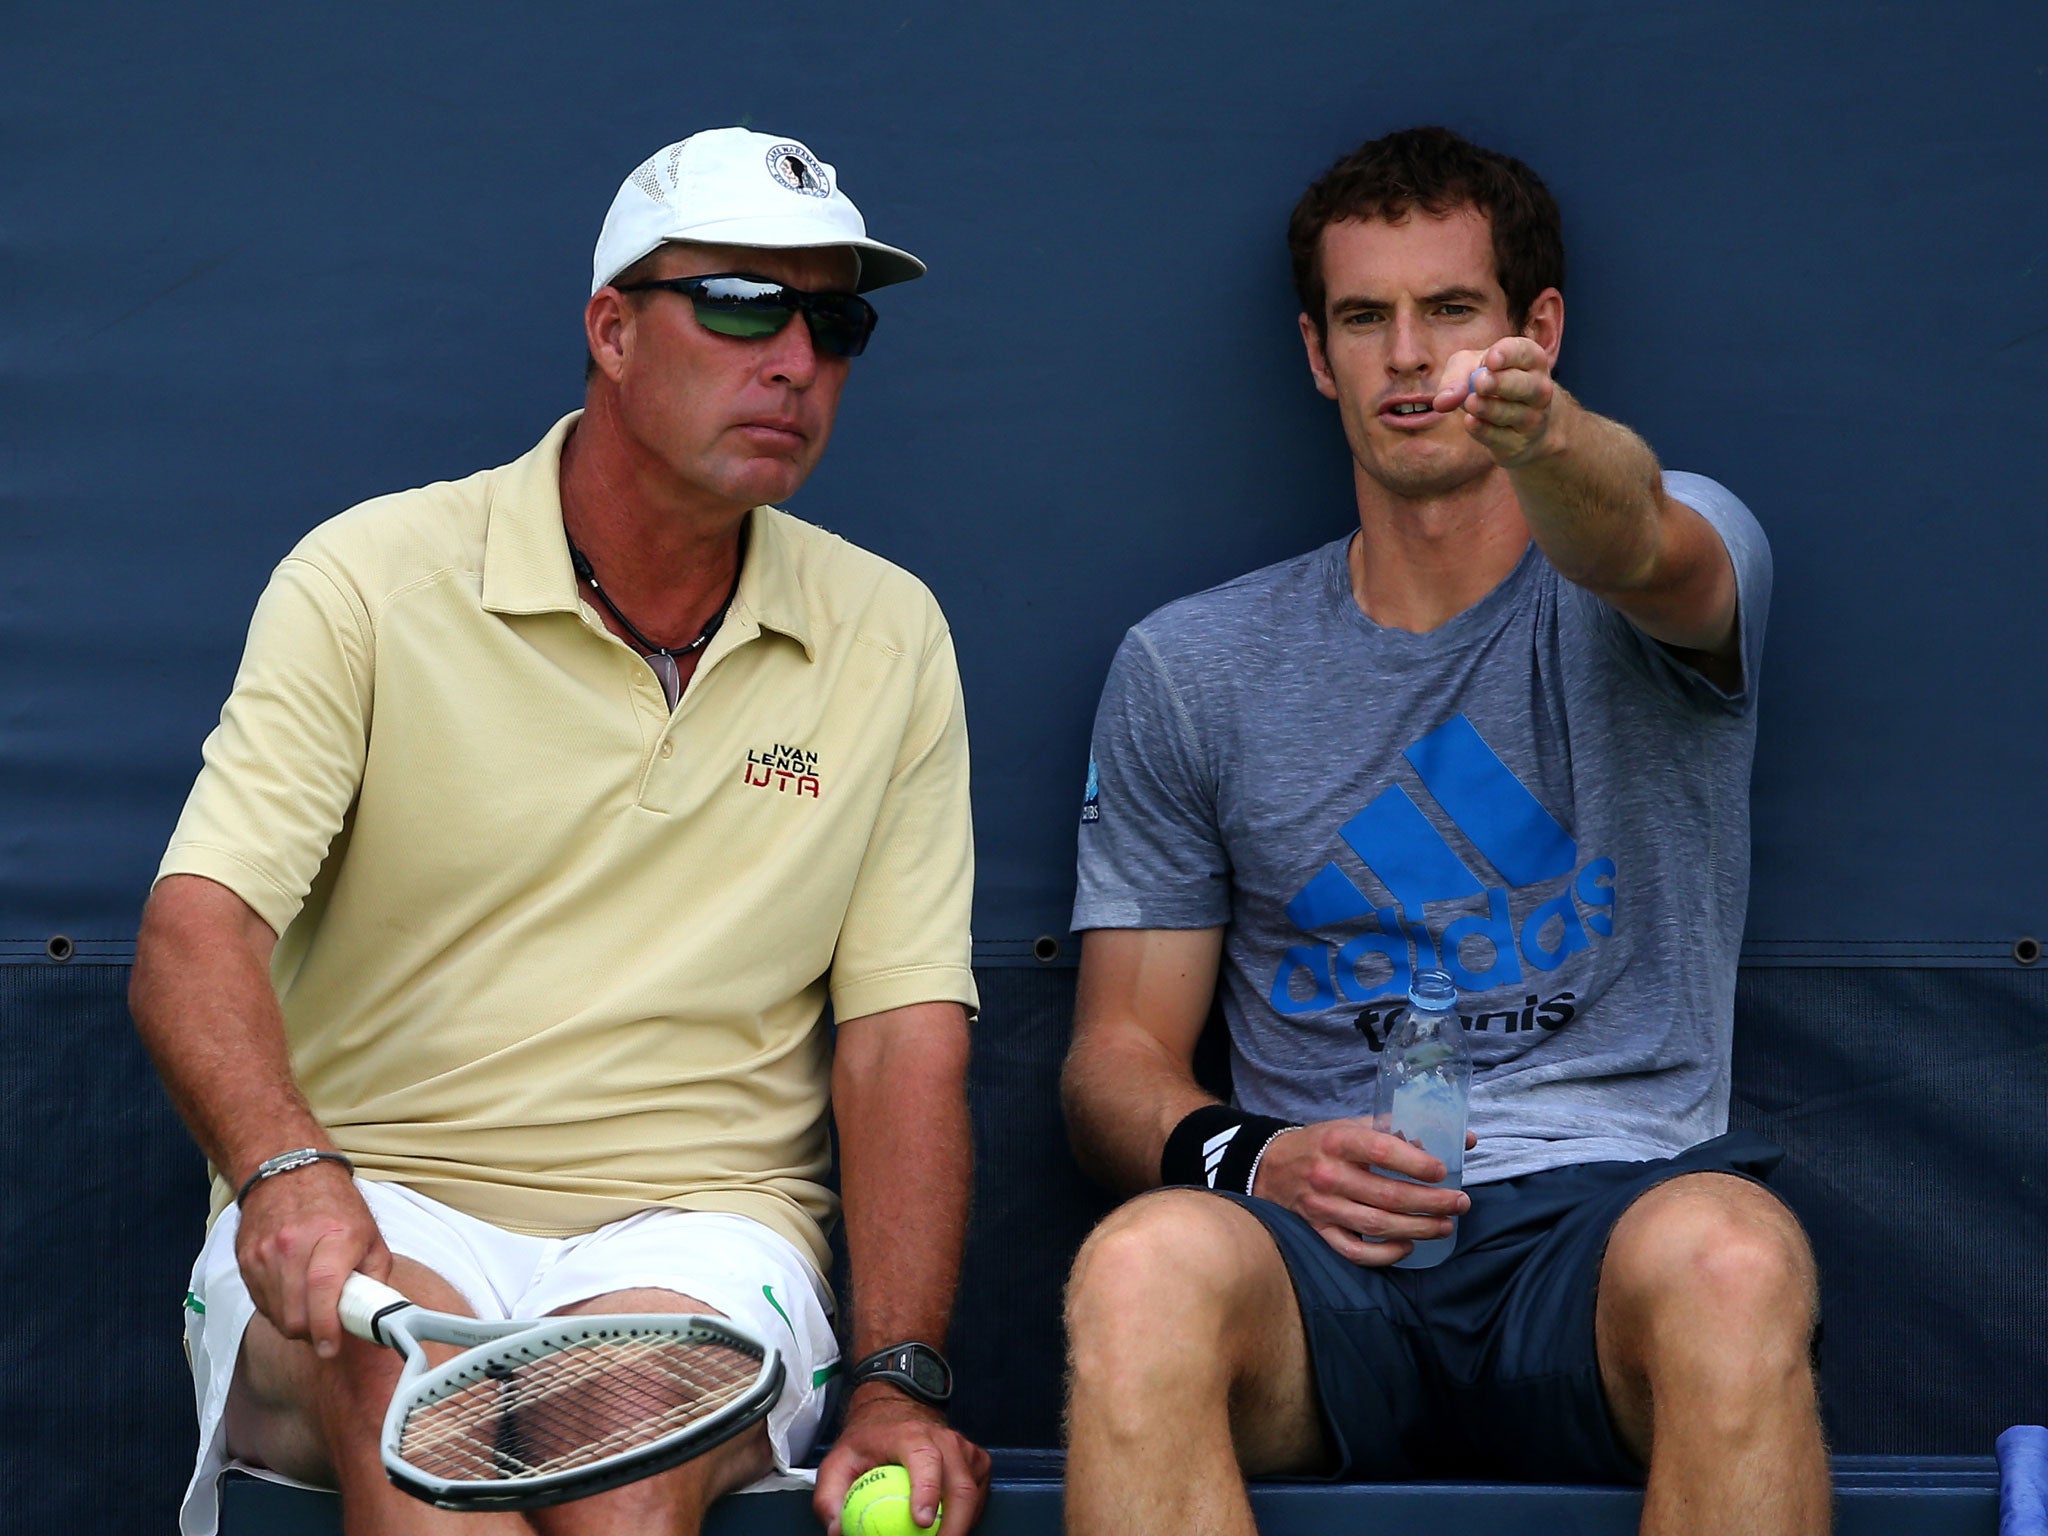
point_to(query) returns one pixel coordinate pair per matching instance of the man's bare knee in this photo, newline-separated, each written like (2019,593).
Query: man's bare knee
(1709,1284)
(1180,1302)
(1715,1242)
(675,1501)
(1172,1260)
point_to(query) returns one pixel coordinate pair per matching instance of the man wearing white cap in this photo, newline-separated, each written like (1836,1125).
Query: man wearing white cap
(549,811)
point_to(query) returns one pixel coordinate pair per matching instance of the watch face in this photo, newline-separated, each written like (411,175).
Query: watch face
(928,1371)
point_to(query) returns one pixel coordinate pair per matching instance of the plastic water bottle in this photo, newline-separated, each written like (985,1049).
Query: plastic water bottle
(1425,1086)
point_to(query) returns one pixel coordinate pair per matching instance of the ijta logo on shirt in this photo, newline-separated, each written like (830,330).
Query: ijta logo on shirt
(1546,906)
(791,770)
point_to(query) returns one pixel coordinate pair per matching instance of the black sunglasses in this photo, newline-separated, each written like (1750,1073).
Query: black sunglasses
(734,304)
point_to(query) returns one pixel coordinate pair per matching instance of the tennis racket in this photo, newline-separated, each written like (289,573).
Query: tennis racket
(540,1411)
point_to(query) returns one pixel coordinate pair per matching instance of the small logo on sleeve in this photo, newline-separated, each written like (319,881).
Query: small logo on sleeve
(1091,800)
(786,770)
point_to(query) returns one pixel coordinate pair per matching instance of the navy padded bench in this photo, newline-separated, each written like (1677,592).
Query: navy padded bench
(1874,1496)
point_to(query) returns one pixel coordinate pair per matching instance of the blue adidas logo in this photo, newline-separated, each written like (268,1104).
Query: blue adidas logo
(1541,903)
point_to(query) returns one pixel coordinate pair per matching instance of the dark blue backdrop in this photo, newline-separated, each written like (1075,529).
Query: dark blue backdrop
(265,260)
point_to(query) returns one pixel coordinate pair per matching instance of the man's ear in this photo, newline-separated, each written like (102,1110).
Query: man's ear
(1545,325)
(1318,359)
(607,328)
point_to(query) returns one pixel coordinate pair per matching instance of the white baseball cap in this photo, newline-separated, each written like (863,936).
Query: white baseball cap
(731,186)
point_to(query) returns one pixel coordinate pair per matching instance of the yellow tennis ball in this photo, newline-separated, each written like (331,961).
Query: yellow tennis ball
(878,1504)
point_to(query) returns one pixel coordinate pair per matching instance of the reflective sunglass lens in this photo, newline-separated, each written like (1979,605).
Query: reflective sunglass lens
(751,318)
(736,306)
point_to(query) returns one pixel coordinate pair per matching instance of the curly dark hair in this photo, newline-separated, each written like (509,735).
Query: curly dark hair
(1437,171)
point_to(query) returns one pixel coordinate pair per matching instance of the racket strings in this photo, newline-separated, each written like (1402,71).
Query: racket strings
(569,1408)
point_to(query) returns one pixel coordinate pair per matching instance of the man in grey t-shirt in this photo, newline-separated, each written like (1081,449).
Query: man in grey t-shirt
(1503,728)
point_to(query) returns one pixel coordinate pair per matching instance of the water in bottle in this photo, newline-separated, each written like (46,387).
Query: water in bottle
(1425,1082)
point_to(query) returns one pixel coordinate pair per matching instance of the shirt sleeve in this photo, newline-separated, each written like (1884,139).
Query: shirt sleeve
(906,935)
(1151,852)
(1749,551)
(282,768)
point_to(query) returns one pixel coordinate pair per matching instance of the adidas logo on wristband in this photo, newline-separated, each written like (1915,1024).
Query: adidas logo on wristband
(1218,1147)
(1212,1153)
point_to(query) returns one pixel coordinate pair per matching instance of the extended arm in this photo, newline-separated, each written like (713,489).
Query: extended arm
(1595,502)
(202,1000)
(1143,998)
(899,1099)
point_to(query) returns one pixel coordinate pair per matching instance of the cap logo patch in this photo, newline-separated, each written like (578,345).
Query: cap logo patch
(797,168)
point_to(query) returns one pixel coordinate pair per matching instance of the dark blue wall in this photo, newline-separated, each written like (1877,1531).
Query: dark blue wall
(266,260)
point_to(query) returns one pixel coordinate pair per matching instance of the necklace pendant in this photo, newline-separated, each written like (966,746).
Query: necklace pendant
(669,675)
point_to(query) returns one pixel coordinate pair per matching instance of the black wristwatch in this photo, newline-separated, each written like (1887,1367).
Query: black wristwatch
(915,1368)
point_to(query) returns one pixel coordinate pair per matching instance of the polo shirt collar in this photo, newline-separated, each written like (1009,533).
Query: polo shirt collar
(526,551)
(771,594)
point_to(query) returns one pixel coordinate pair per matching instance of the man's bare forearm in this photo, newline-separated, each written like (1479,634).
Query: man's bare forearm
(1593,495)
(1140,1005)
(203,1003)
(906,1164)
(1124,1093)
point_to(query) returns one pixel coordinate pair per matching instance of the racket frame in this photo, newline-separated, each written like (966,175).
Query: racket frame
(376,1312)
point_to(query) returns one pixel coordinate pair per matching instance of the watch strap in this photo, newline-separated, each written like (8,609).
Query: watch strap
(912,1367)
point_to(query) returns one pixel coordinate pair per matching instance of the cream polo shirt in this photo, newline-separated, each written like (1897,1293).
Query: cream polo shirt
(550,953)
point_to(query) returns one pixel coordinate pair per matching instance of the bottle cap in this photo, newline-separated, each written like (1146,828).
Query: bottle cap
(1433,992)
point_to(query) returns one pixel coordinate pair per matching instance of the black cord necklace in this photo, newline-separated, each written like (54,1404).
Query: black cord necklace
(671,679)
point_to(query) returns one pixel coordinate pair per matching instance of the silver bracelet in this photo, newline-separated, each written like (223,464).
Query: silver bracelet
(285,1162)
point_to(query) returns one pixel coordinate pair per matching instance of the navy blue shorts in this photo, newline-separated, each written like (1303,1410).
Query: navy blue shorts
(1484,1366)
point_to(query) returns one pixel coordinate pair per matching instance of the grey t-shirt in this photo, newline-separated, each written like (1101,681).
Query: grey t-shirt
(1535,794)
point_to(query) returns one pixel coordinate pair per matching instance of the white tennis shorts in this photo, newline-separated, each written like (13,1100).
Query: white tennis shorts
(733,1265)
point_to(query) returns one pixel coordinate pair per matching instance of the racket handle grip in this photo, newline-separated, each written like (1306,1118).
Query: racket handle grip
(363,1301)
